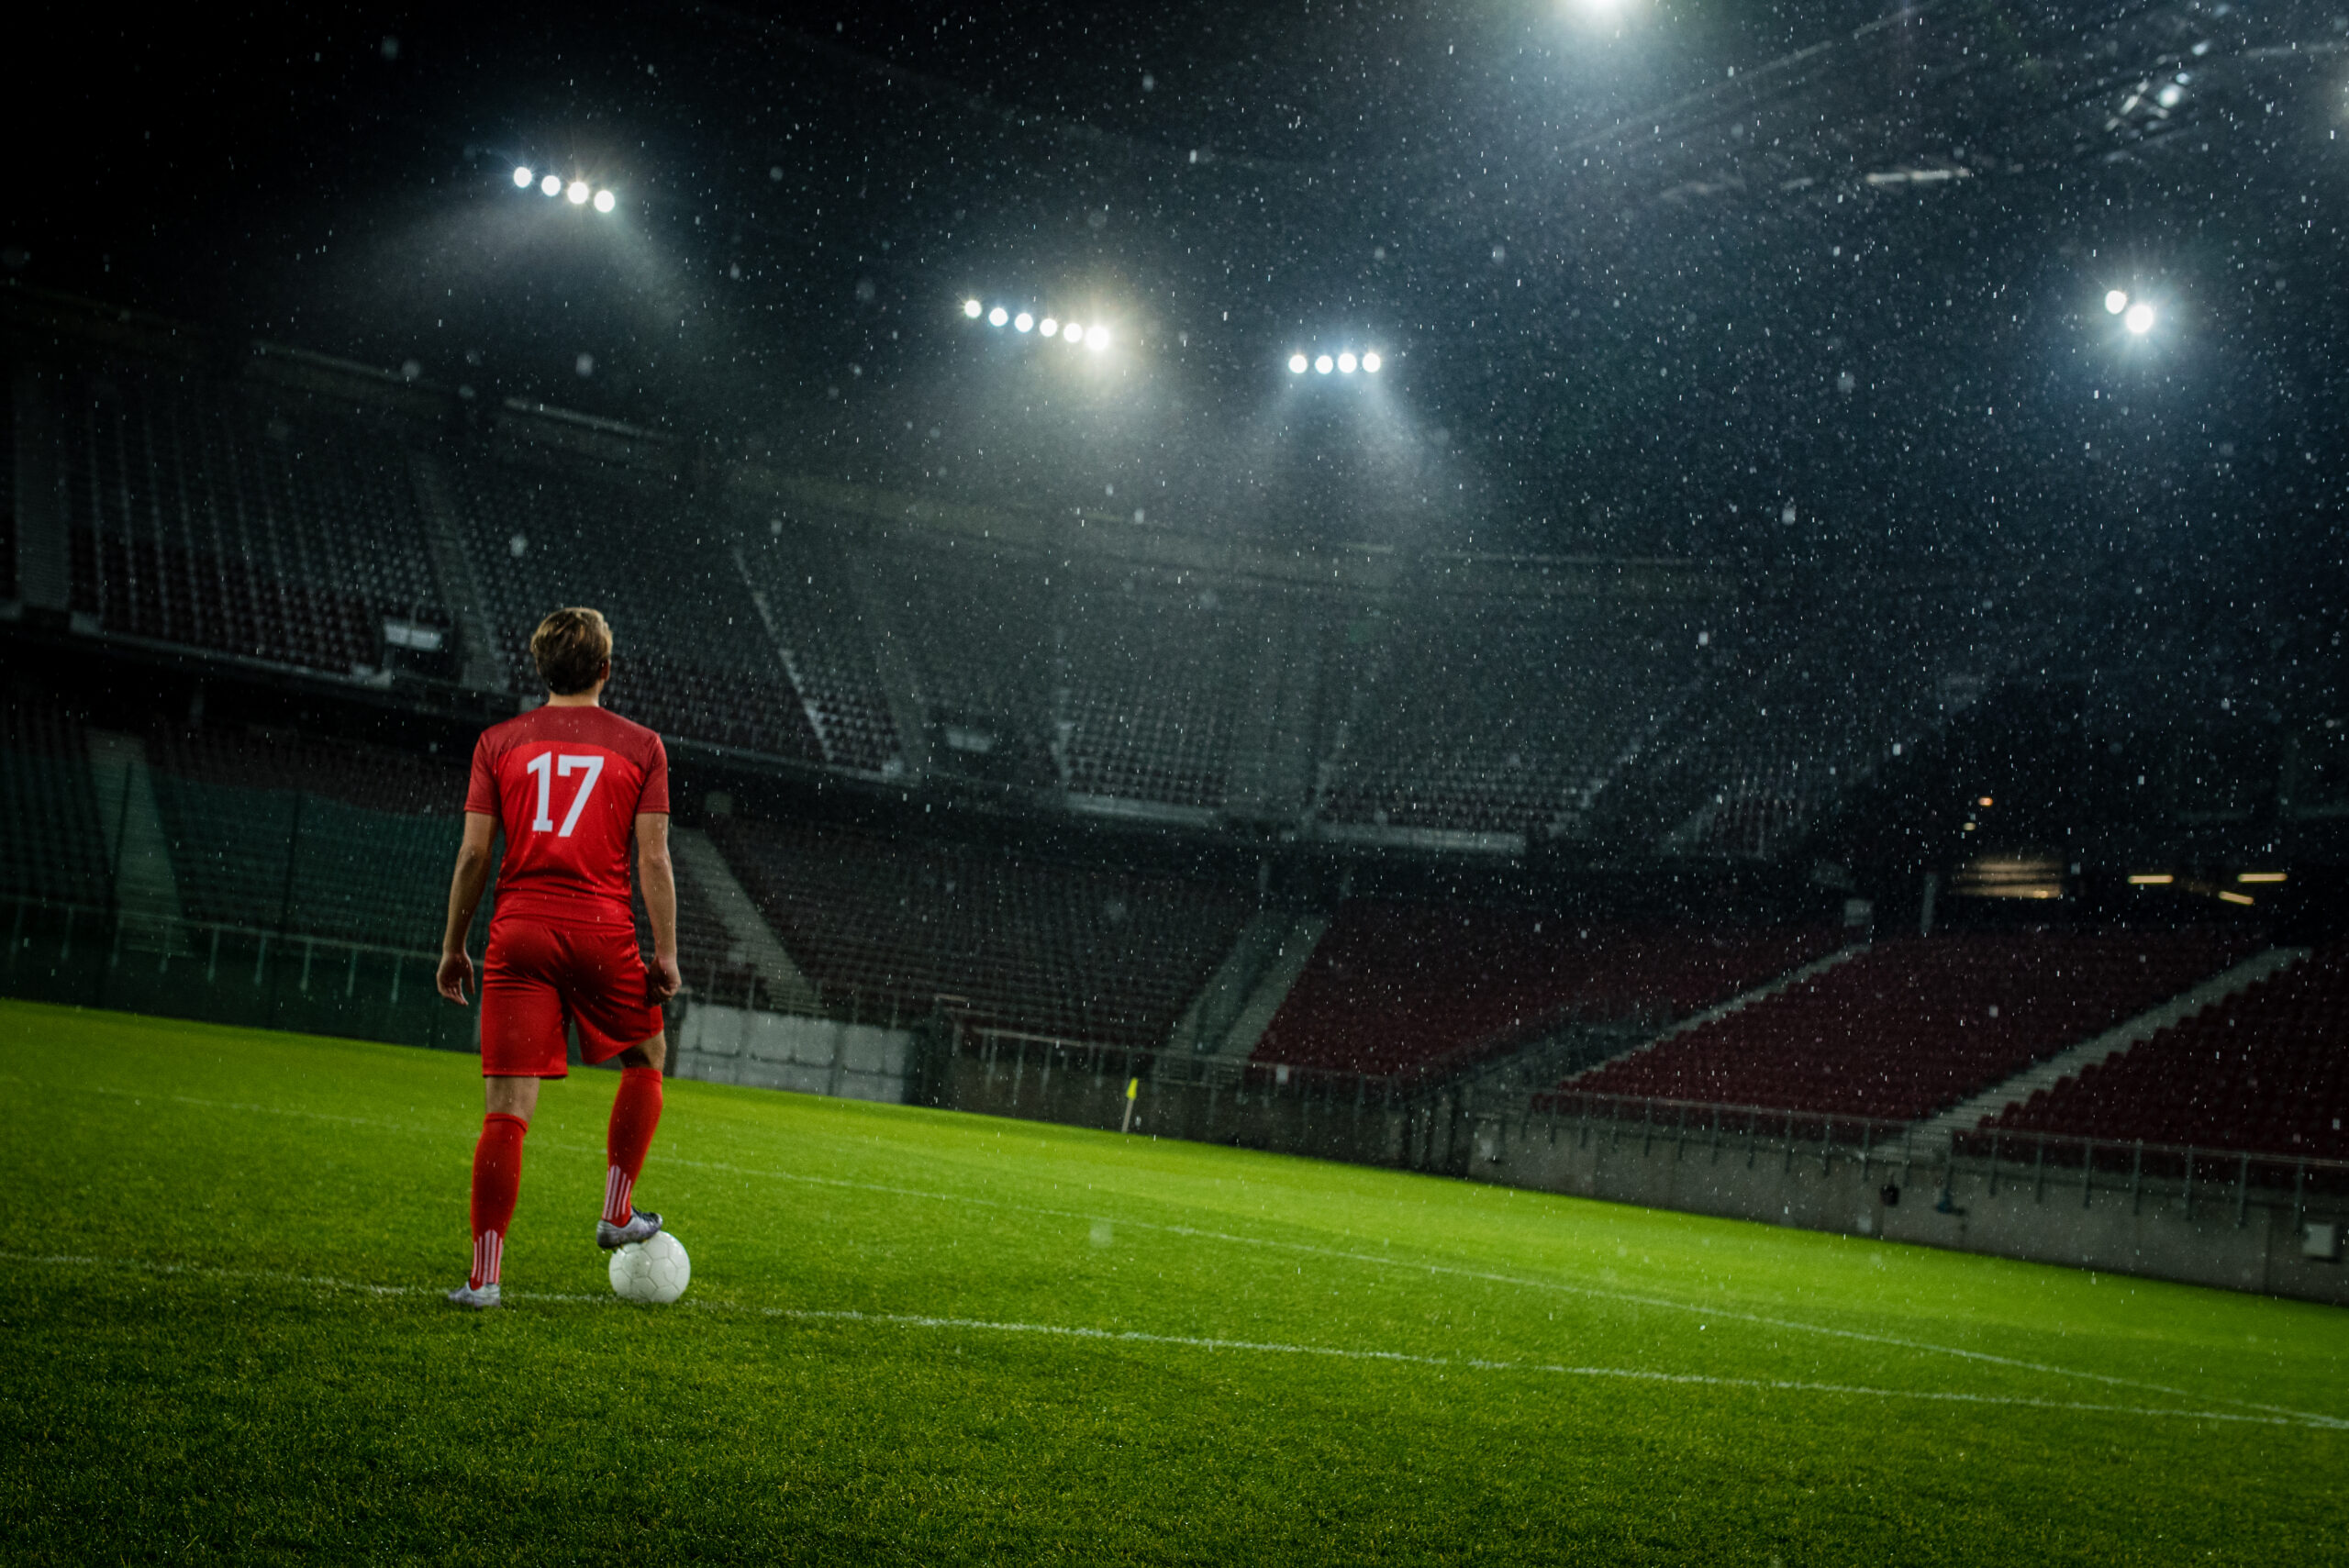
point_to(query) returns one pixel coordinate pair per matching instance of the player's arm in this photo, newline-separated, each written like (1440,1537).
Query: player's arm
(465,888)
(658,879)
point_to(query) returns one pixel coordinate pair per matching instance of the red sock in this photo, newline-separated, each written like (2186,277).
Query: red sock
(636,1111)
(497,1178)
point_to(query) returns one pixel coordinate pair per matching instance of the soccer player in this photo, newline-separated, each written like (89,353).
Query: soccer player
(572,785)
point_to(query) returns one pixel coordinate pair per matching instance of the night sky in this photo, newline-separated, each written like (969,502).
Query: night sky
(1816,288)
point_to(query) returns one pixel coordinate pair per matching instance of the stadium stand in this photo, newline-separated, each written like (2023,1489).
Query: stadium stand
(2266,1069)
(199,515)
(1153,666)
(1915,1024)
(1492,711)
(977,625)
(799,579)
(53,849)
(693,659)
(276,834)
(8,588)
(1401,989)
(889,928)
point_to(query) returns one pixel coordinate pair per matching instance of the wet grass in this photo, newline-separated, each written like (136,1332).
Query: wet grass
(916,1337)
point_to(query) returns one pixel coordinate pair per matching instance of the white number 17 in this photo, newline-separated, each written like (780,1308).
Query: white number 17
(547,764)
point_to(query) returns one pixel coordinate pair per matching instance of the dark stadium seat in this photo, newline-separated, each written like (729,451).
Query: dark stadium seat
(1402,988)
(199,514)
(2266,1069)
(53,846)
(889,930)
(1917,1024)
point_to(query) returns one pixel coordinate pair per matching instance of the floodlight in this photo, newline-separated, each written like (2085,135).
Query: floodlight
(997,316)
(1370,362)
(1073,333)
(1346,363)
(2116,301)
(1023,321)
(1049,327)
(1296,364)
(1325,365)
(2140,318)
(551,184)
(604,201)
(1097,337)
(577,191)
(973,309)
(523,178)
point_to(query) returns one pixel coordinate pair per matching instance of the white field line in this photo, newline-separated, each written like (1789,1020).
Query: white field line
(1198,1342)
(1373,1260)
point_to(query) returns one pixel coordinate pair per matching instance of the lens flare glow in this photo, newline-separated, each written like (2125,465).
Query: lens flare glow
(1371,362)
(1346,363)
(1296,363)
(578,193)
(523,178)
(1073,333)
(973,309)
(1049,327)
(604,201)
(1325,365)
(997,316)
(2116,301)
(1023,322)
(2139,319)
(551,184)
(1097,337)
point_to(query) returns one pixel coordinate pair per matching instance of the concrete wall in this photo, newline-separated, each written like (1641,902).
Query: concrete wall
(782,1051)
(2111,1225)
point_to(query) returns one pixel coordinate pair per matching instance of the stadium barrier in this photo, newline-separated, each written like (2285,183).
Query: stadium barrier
(2240,1219)
(85,956)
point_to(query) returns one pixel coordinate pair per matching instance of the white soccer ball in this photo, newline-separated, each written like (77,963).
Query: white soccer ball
(656,1271)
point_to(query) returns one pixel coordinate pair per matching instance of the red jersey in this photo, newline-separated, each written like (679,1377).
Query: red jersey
(567,784)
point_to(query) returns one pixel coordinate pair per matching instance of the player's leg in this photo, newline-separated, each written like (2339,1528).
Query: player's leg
(521,1036)
(635,1113)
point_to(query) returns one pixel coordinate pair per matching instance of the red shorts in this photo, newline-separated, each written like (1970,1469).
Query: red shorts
(539,977)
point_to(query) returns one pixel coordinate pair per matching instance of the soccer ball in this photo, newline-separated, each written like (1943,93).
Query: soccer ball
(654,1270)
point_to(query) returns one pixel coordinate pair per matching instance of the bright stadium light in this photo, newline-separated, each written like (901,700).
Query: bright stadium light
(1073,333)
(1371,364)
(1097,337)
(523,178)
(604,201)
(2116,301)
(1346,363)
(1325,365)
(551,184)
(2139,318)
(1049,327)
(1023,322)
(973,309)
(997,316)
(1296,364)
(577,191)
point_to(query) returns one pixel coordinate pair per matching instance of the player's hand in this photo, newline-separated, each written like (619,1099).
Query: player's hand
(456,976)
(661,980)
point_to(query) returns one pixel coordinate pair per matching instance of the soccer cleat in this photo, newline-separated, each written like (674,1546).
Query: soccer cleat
(475,1296)
(641,1225)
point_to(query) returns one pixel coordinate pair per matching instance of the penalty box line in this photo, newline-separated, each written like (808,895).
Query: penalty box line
(923,1321)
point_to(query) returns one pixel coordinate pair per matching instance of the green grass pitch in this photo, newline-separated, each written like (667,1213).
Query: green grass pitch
(921,1338)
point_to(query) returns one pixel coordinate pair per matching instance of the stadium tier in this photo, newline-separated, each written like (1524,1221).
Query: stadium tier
(1154,668)
(199,514)
(1915,1025)
(900,929)
(1490,713)
(1400,989)
(693,658)
(52,844)
(2265,1070)
(799,579)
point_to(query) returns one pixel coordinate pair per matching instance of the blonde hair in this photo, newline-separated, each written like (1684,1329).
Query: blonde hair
(571,649)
